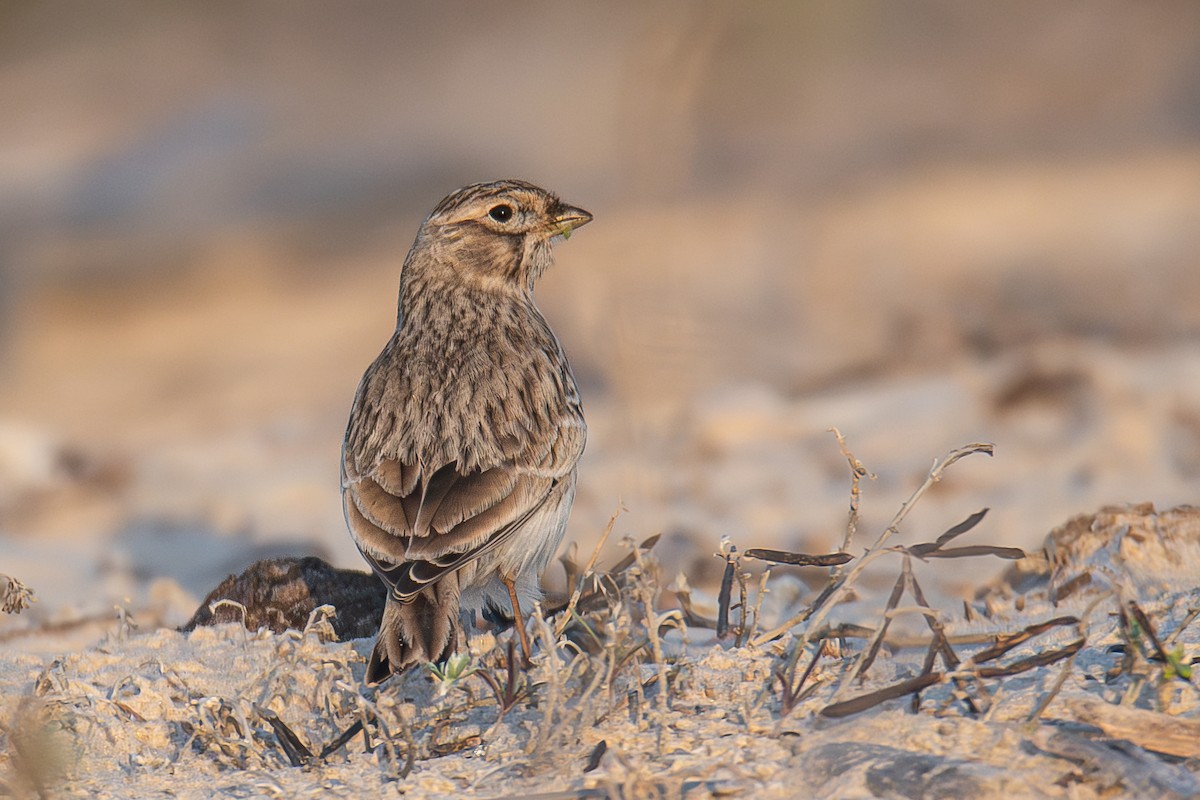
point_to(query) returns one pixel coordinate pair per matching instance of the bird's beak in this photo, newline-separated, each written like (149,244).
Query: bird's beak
(568,219)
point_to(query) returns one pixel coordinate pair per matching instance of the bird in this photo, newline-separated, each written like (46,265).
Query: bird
(459,460)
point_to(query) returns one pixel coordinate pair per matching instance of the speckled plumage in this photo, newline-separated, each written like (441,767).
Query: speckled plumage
(458,466)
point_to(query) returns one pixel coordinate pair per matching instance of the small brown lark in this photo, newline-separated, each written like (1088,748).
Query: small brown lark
(458,466)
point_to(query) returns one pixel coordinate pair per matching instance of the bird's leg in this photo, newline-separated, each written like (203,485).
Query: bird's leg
(518,619)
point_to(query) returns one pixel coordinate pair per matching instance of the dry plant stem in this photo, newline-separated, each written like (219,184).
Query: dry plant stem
(758,601)
(788,693)
(1061,680)
(610,675)
(798,559)
(969,670)
(625,563)
(345,736)
(724,596)
(868,655)
(1188,620)
(1147,628)
(857,472)
(743,612)
(926,669)
(1134,663)
(941,644)
(587,571)
(815,618)
(296,751)
(846,631)
(690,615)
(554,684)
(511,691)
(652,625)
(387,738)
(588,714)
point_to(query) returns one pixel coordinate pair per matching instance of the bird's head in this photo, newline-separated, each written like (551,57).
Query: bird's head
(495,234)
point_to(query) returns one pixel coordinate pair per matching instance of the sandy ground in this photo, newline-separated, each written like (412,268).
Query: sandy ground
(1078,706)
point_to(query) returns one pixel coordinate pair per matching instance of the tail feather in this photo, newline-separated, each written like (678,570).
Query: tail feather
(422,630)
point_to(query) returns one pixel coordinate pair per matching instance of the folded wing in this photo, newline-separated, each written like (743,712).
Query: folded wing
(414,525)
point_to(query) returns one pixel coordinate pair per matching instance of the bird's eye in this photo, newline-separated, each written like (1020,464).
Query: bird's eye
(501,213)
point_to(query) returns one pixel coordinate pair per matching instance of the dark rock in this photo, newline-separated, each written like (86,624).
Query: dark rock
(281,593)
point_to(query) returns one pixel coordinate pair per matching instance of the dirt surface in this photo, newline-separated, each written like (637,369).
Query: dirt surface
(1079,702)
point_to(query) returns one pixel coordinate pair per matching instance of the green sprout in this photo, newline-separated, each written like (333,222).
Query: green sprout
(451,672)
(1177,667)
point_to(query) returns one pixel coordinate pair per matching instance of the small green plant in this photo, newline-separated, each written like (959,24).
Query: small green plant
(451,672)
(1177,666)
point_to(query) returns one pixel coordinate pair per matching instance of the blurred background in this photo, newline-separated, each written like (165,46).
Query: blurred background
(925,223)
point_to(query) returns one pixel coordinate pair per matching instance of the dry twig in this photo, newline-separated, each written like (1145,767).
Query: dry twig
(816,614)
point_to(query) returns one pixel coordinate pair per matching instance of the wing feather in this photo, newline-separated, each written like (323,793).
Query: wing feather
(396,477)
(408,577)
(385,510)
(472,495)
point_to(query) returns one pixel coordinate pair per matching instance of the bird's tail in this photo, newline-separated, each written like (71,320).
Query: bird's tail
(422,630)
